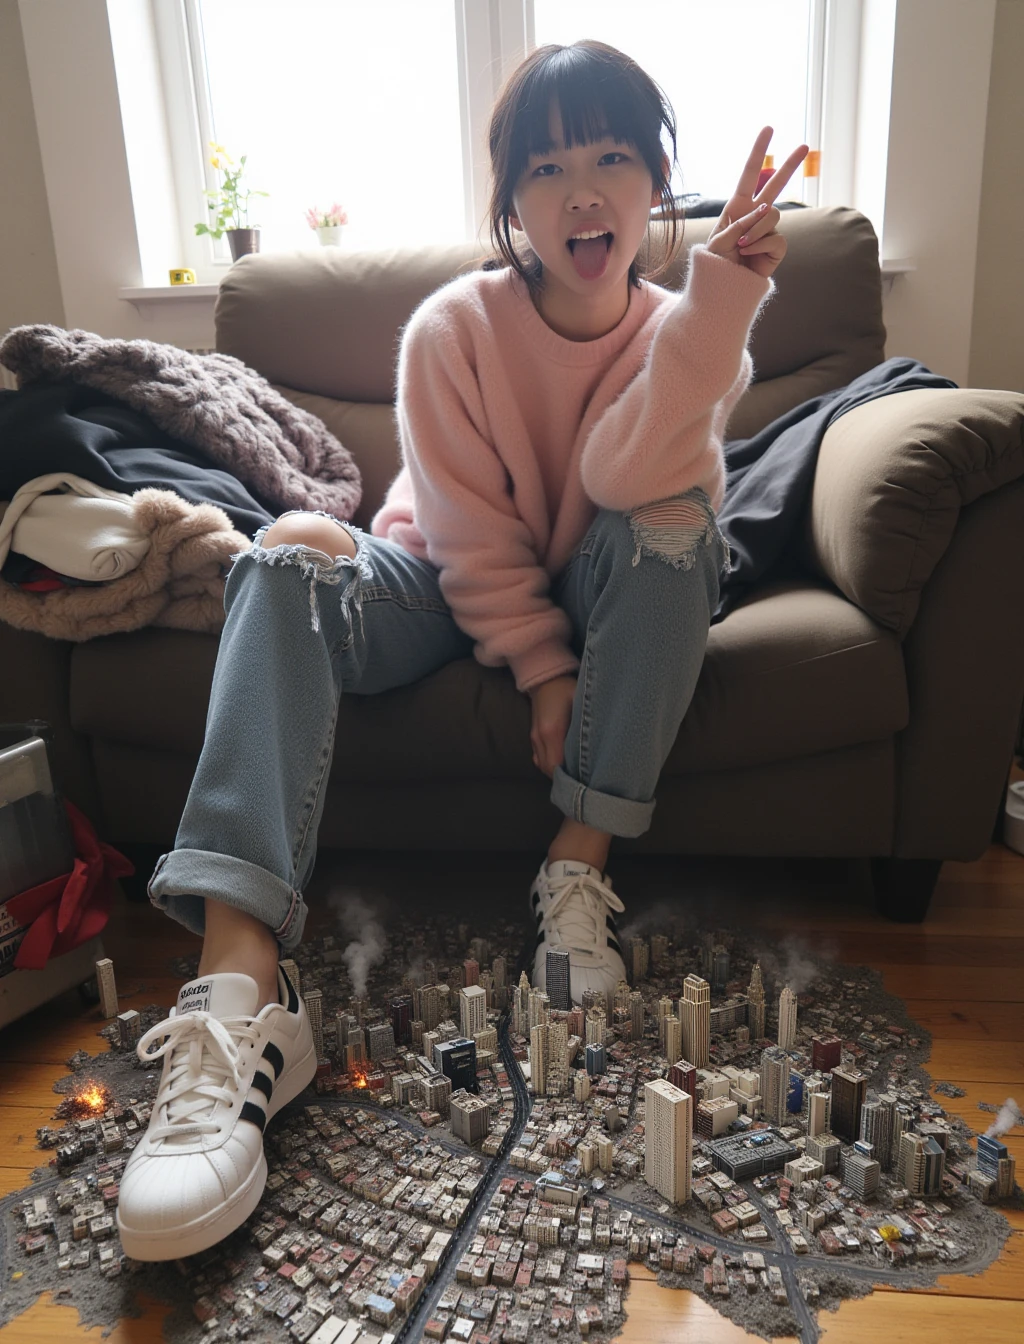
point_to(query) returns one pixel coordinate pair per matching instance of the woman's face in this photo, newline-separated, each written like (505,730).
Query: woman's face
(603,185)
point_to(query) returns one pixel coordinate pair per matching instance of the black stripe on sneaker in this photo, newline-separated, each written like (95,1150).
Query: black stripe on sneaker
(611,924)
(293,998)
(271,1053)
(254,1114)
(262,1083)
(614,944)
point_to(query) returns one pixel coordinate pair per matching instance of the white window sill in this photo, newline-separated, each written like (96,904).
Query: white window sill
(142,296)
(898,265)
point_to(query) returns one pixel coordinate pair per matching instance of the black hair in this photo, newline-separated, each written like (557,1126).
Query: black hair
(600,92)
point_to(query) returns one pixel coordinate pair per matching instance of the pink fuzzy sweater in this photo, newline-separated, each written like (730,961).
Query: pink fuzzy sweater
(513,436)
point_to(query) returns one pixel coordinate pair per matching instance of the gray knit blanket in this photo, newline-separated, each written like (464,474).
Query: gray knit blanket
(212,402)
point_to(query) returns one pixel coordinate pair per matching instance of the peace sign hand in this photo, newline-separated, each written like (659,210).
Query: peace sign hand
(745,231)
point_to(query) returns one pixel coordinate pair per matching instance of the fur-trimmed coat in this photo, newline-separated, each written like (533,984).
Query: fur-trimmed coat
(178,583)
(216,404)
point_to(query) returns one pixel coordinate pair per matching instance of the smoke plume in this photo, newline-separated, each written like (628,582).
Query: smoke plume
(367,939)
(791,965)
(1009,1116)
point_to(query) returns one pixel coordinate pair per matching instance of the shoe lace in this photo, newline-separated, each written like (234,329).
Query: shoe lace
(203,1069)
(577,910)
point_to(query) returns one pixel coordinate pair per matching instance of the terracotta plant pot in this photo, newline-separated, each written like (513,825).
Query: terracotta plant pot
(242,241)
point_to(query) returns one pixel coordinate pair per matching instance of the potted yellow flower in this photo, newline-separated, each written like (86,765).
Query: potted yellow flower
(230,206)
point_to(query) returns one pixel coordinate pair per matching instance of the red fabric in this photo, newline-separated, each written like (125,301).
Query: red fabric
(68,910)
(41,585)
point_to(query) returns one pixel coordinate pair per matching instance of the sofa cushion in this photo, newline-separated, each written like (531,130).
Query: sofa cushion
(794,670)
(891,480)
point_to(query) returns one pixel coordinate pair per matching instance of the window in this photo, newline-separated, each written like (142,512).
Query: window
(340,100)
(727,70)
(384,106)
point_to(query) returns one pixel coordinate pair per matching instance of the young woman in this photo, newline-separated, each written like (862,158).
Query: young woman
(561,422)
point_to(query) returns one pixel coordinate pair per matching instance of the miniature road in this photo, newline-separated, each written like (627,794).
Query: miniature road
(788,1256)
(414,1322)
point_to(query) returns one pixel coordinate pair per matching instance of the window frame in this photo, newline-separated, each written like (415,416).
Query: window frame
(492,38)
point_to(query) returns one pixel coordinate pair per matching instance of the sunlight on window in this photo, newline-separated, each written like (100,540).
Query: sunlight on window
(728,70)
(340,100)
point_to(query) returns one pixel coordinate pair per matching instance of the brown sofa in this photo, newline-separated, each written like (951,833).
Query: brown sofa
(865,708)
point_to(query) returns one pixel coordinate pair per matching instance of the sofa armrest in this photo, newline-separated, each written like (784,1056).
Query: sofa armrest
(892,477)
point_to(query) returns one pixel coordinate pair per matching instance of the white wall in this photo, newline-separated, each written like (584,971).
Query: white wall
(90,168)
(997,327)
(942,59)
(947,128)
(29,286)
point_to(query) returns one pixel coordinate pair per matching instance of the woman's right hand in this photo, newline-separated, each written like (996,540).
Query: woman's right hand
(746,232)
(552,713)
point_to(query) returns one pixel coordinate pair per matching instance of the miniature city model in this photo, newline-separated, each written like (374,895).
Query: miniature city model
(479,1165)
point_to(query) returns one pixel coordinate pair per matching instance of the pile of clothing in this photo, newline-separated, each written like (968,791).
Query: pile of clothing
(133,473)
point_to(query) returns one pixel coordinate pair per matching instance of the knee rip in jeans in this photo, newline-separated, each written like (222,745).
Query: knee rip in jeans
(672,530)
(318,567)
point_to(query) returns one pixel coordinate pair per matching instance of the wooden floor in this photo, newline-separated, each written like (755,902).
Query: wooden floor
(961,975)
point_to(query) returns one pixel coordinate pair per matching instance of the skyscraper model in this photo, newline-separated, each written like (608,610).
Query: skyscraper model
(314,1008)
(558,1059)
(695,1014)
(472,1010)
(539,1059)
(876,1128)
(673,1038)
(787,1019)
(557,975)
(668,1140)
(849,1087)
(636,1015)
(775,1083)
(107,987)
(755,996)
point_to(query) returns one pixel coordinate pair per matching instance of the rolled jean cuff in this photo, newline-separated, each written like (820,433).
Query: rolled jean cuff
(602,811)
(184,878)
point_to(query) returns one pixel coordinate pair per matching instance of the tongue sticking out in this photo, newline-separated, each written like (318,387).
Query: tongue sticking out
(590,256)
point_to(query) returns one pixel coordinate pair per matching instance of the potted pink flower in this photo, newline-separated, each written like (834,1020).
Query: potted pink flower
(329,225)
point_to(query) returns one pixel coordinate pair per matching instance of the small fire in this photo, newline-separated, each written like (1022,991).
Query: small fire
(359,1080)
(92,1098)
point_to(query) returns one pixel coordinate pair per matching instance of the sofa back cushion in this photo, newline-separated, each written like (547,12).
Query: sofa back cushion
(324,326)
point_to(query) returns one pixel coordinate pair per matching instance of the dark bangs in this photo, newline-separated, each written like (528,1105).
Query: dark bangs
(599,91)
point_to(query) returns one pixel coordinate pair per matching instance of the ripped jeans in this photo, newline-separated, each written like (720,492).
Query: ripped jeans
(301,629)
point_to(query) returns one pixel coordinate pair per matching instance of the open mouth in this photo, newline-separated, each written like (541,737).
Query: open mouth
(590,255)
(607,239)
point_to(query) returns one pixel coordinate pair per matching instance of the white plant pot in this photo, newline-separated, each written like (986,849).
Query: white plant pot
(330,235)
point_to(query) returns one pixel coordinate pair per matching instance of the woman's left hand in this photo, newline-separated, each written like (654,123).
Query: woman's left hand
(745,230)
(552,703)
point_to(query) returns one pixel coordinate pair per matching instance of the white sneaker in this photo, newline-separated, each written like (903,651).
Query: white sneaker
(574,907)
(199,1170)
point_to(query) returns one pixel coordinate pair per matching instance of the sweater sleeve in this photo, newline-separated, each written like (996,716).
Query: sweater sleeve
(653,441)
(490,574)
